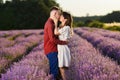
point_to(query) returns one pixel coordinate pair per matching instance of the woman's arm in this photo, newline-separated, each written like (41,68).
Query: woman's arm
(56,32)
(56,28)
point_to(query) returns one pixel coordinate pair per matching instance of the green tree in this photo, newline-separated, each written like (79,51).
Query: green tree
(1,1)
(25,14)
(111,17)
(96,24)
(80,24)
(15,0)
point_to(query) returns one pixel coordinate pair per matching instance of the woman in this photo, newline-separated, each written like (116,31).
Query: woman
(64,31)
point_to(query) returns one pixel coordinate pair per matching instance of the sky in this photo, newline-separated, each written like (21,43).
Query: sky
(81,8)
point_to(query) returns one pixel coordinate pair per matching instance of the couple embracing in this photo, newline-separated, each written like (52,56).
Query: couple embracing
(56,39)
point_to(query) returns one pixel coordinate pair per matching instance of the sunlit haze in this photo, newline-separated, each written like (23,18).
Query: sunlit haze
(89,7)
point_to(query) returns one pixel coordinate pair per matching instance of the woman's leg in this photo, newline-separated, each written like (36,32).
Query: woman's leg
(64,72)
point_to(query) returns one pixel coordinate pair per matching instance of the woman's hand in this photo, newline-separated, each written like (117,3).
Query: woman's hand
(55,21)
(56,28)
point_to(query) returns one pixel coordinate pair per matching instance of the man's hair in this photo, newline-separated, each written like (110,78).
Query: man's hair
(54,8)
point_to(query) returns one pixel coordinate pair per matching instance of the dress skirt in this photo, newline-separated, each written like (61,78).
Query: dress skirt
(64,57)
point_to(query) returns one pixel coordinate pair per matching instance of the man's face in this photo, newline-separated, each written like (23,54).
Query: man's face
(58,14)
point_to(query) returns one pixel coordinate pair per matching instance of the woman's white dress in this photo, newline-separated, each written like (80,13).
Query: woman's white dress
(64,57)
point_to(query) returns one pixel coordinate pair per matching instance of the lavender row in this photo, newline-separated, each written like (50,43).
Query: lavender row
(108,46)
(89,64)
(6,42)
(105,33)
(17,36)
(32,67)
(9,54)
(15,33)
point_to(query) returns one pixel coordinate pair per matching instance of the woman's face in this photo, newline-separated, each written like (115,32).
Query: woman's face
(62,18)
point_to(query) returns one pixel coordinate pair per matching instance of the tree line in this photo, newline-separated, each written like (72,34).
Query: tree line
(108,18)
(24,14)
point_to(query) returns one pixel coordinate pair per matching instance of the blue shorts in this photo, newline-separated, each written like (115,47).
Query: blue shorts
(53,63)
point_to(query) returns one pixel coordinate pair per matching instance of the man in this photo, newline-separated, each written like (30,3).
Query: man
(51,41)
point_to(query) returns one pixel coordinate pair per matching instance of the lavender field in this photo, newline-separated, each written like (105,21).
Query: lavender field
(95,55)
